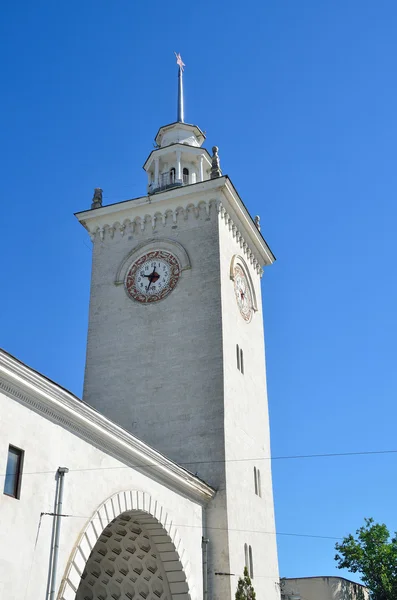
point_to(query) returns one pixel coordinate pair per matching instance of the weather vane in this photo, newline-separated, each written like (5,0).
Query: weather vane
(179,61)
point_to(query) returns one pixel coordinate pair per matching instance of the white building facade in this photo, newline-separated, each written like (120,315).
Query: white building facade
(103,486)
(175,356)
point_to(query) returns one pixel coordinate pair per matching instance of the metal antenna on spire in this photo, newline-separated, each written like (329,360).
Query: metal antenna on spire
(181,108)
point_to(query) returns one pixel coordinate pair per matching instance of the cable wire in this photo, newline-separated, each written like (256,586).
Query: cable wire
(222,461)
(181,525)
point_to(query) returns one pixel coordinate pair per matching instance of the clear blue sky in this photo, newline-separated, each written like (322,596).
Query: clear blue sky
(301,99)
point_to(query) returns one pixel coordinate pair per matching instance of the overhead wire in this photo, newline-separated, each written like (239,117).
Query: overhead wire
(188,526)
(223,461)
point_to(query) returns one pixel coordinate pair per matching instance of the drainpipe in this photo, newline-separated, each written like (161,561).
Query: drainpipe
(204,545)
(61,472)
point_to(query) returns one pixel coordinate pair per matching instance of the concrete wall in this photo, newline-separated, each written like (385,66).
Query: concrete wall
(247,431)
(157,369)
(167,372)
(322,588)
(94,476)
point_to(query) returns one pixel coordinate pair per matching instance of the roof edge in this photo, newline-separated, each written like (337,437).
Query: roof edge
(47,398)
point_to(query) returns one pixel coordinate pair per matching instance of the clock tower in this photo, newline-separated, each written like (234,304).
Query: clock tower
(175,349)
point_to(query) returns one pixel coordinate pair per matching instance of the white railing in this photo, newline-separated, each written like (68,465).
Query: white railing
(166,181)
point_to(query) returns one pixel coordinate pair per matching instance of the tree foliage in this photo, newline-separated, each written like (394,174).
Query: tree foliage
(245,589)
(373,554)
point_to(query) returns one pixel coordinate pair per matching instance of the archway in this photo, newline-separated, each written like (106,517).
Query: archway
(133,556)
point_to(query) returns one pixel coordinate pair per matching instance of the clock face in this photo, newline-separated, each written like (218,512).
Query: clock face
(152,276)
(243,293)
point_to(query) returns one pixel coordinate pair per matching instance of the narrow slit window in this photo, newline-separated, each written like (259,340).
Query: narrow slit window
(246,555)
(241,361)
(251,565)
(256,481)
(258,476)
(238,356)
(12,483)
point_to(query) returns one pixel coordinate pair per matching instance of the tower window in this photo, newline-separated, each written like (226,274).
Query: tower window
(12,483)
(185,175)
(257,482)
(251,565)
(246,556)
(240,359)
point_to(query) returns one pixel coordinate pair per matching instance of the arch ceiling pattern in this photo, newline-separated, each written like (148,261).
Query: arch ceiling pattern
(128,552)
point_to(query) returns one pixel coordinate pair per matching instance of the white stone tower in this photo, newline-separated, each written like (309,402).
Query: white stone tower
(176,347)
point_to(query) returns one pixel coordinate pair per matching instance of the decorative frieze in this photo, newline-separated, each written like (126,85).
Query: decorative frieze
(159,219)
(247,251)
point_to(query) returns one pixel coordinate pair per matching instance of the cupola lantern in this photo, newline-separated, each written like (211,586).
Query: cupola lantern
(178,158)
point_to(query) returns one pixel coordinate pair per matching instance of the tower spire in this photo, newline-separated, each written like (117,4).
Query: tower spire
(181,109)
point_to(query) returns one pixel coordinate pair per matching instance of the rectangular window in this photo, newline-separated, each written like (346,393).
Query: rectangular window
(238,356)
(241,361)
(12,483)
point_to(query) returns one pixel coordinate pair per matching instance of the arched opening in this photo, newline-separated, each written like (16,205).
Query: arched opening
(133,557)
(172,175)
(185,176)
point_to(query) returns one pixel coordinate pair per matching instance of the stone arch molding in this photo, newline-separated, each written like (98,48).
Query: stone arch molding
(153,244)
(165,570)
(239,260)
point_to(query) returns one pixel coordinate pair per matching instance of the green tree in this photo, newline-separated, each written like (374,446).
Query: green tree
(245,590)
(373,554)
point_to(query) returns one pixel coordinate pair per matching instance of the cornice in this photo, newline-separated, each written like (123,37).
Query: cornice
(155,211)
(164,150)
(238,213)
(46,398)
(188,126)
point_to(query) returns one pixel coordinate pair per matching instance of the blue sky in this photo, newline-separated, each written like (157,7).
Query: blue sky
(301,99)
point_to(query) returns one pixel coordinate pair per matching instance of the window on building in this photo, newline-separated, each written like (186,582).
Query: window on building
(238,356)
(172,175)
(258,476)
(185,175)
(255,481)
(241,361)
(251,565)
(246,556)
(12,483)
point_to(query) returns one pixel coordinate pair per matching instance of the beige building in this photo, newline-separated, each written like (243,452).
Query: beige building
(322,588)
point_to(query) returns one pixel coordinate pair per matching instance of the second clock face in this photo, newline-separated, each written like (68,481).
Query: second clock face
(152,276)
(243,293)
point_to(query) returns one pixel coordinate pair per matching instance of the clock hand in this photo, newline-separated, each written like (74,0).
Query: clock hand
(151,278)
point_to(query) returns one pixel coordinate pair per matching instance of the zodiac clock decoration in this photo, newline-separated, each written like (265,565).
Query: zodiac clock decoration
(152,276)
(243,293)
